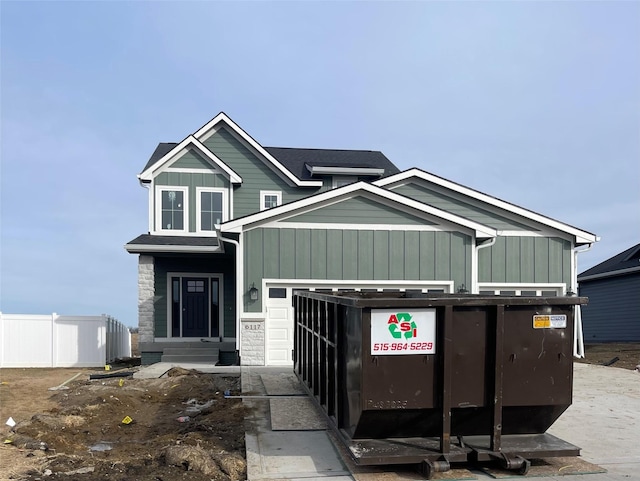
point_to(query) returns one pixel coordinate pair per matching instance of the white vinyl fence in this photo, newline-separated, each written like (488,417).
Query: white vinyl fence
(61,341)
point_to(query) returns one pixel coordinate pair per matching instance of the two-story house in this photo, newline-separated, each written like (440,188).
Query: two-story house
(235,226)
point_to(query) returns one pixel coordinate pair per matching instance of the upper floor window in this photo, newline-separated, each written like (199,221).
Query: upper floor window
(211,208)
(172,209)
(269,199)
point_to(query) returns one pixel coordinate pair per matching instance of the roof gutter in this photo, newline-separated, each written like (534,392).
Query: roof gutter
(239,281)
(368,171)
(140,248)
(578,335)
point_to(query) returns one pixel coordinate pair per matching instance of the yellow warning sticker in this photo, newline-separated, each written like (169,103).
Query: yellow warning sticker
(127,420)
(557,321)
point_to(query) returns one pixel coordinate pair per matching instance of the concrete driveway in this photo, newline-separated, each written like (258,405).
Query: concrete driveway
(604,421)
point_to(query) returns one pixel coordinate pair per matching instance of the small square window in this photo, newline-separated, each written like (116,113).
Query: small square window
(195,286)
(270,199)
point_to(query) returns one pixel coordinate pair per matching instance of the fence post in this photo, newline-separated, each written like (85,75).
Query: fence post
(1,341)
(54,340)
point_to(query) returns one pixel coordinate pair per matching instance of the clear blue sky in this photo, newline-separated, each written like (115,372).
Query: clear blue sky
(537,103)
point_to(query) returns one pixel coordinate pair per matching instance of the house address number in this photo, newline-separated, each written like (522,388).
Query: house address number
(253,326)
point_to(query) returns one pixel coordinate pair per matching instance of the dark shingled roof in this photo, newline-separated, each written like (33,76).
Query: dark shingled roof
(170,240)
(623,261)
(296,159)
(161,150)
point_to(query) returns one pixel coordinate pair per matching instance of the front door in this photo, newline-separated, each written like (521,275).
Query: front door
(195,307)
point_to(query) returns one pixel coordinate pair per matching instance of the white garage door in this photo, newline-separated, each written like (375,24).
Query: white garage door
(279,314)
(279,333)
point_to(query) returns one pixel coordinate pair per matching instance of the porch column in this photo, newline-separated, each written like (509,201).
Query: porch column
(146,293)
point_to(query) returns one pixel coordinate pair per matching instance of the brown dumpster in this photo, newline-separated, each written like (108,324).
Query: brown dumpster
(436,379)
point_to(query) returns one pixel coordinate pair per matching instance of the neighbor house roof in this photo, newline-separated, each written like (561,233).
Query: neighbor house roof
(624,263)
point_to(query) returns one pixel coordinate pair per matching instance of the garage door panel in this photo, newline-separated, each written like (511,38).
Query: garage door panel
(278,313)
(281,334)
(279,356)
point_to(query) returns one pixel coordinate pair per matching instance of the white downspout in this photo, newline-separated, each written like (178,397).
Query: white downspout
(578,335)
(474,267)
(239,278)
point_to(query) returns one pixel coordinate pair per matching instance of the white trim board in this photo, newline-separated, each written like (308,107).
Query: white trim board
(582,237)
(376,227)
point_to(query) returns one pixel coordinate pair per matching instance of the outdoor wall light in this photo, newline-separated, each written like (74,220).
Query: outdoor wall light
(253,292)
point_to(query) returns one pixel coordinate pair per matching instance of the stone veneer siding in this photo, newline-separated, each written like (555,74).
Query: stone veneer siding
(252,338)
(146,292)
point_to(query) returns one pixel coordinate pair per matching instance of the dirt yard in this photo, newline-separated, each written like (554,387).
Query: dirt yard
(82,431)
(627,354)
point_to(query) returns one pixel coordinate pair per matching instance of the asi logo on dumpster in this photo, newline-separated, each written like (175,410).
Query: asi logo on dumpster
(403,332)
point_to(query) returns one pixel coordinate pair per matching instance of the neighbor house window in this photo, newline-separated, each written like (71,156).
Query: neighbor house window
(269,199)
(172,208)
(211,207)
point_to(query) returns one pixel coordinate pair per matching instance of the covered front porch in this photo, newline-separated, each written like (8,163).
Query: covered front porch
(186,300)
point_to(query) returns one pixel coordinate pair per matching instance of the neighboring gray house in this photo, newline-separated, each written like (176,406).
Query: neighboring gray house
(235,226)
(613,289)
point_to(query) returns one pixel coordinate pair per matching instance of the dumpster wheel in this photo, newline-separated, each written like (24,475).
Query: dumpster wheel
(428,467)
(517,464)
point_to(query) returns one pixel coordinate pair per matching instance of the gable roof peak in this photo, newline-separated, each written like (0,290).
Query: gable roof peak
(581,236)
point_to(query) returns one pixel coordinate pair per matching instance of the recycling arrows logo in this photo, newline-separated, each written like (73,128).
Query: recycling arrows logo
(400,325)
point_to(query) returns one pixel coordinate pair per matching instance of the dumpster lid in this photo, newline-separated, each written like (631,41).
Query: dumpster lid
(429,299)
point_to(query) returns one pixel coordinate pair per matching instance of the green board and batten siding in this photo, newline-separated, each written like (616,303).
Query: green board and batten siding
(360,210)
(526,260)
(192,181)
(423,192)
(256,175)
(336,254)
(192,160)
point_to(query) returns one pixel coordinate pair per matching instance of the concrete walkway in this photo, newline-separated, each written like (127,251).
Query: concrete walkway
(603,420)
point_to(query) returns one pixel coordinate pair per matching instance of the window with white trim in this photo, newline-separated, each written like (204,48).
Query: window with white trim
(172,209)
(270,199)
(211,208)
